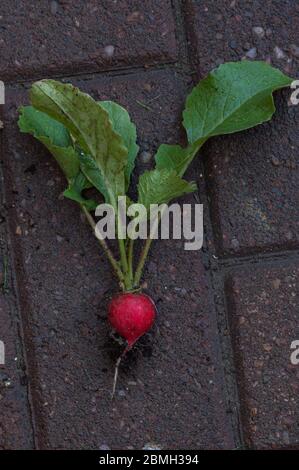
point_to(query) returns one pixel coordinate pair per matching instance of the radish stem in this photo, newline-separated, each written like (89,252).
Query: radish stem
(124,262)
(107,251)
(141,262)
(130,259)
(145,251)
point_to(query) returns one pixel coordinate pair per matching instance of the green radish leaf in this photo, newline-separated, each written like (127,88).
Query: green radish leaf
(57,140)
(161,186)
(90,126)
(175,157)
(234,97)
(92,172)
(75,189)
(123,126)
(53,135)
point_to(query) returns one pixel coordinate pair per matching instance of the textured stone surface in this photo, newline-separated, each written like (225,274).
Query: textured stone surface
(253,179)
(252,176)
(16,430)
(170,389)
(15,422)
(177,389)
(222,31)
(264,316)
(83,36)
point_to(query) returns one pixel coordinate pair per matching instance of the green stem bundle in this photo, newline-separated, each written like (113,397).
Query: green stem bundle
(124,269)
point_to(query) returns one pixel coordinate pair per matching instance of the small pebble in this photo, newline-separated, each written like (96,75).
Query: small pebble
(151,446)
(145,157)
(286,437)
(59,238)
(259,31)
(252,53)
(181,290)
(276,283)
(104,447)
(235,243)
(279,54)
(135,17)
(275,161)
(109,51)
(233,44)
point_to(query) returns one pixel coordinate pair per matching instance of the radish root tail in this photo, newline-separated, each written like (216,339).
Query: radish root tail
(117,367)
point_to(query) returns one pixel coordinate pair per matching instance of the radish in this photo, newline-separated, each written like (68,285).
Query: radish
(94,143)
(131,315)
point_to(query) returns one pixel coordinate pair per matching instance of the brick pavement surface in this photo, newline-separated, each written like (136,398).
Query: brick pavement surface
(215,372)
(66,37)
(267,380)
(249,216)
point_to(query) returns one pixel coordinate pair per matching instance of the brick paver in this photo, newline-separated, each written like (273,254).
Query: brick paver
(221,31)
(225,322)
(253,180)
(264,318)
(83,36)
(15,422)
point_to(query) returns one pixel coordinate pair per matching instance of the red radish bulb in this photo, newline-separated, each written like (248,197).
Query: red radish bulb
(131,315)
